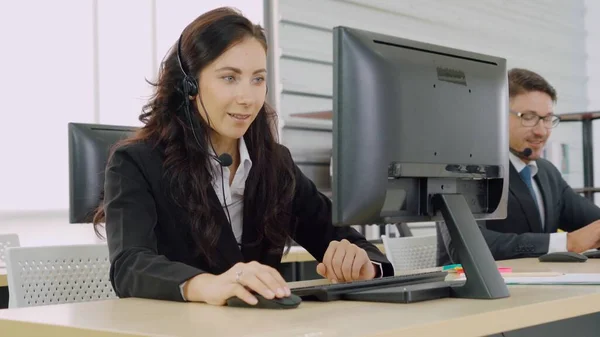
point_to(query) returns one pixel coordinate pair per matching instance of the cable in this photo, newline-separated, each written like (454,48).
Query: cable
(190,88)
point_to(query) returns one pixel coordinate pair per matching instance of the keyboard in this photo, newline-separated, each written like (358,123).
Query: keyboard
(592,254)
(333,292)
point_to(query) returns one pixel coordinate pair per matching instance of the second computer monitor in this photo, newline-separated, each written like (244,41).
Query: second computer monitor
(89,148)
(412,120)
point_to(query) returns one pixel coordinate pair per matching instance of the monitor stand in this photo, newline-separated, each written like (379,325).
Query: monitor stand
(403,229)
(483,278)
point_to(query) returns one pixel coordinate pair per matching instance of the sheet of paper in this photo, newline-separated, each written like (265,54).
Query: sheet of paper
(588,278)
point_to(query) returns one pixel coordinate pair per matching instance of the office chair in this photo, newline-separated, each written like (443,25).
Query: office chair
(7,240)
(410,253)
(58,274)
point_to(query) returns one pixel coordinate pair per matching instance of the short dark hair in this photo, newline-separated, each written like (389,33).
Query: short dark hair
(521,81)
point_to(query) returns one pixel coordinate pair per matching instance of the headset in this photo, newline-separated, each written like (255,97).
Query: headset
(189,86)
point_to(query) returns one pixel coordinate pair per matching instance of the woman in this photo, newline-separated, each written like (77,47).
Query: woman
(200,203)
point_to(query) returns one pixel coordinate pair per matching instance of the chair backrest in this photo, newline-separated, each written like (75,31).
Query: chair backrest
(409,253)
(7,240)
(58,274)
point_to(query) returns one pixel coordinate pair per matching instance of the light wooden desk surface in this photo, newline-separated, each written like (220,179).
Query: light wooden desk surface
(3,280)
(527,306)
(299,254)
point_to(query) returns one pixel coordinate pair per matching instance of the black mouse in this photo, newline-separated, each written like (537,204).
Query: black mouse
(290,302)
(592,254)
(563,257)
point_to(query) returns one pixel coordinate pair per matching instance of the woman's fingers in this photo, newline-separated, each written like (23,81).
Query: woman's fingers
(347,264)
(242,293)
(264,280)
(328,261)
(279,281)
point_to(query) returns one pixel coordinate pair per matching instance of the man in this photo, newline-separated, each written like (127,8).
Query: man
(540,201)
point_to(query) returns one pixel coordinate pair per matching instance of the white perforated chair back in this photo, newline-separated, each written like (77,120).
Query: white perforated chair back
(410,253)
(58,274)
(7,240)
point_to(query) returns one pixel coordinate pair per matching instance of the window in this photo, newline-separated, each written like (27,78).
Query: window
(77,61)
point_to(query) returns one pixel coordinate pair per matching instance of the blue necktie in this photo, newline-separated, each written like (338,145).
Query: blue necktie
(526,176)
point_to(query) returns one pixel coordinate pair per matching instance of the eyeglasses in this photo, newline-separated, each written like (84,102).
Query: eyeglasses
(531,119)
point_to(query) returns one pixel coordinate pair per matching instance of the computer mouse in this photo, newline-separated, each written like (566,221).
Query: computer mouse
(290,302)
(592,254)
(563,257)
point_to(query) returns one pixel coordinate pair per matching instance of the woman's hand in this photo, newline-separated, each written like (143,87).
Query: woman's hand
(238,281)
(344,261)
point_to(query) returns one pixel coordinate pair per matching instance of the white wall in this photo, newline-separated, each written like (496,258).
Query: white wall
(592,27)
(74,61)
(571,133)
(47,80)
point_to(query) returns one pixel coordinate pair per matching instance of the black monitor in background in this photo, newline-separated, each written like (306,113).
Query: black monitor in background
(89,147)
(420,133)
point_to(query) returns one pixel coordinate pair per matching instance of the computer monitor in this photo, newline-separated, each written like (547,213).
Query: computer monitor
(89,148)
(420,134)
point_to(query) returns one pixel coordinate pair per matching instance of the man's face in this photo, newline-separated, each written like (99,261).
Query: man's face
(528,131)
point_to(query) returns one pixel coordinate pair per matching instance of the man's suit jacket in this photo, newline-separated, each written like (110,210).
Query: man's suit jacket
(521,234)
(150,247)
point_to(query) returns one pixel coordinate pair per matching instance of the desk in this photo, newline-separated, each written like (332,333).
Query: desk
(3,280)
(527,306)
(3,289)
(299,254)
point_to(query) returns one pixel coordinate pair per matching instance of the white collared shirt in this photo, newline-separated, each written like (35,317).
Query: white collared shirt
(234,194)
(558,241)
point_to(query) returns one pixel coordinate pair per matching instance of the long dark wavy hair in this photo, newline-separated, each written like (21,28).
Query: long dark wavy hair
(270,184)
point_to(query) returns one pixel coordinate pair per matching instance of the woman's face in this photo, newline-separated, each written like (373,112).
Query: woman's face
(233,88)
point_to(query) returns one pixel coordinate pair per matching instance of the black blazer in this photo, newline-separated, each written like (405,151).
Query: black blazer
(151,250)
(521,234)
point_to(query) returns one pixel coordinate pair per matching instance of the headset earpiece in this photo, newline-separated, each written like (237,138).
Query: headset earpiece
(188,84)
(190,87)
